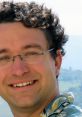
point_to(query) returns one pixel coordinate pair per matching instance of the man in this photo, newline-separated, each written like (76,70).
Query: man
(31,50)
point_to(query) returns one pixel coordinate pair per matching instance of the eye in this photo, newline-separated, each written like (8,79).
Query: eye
(5,58)
(33,53)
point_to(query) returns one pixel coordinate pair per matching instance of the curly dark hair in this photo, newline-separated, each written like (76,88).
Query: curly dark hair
(36,16)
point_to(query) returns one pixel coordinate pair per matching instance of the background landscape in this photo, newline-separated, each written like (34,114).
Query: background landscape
(71,81)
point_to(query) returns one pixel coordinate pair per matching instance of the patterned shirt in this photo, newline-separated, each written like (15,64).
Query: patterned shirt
(62,106)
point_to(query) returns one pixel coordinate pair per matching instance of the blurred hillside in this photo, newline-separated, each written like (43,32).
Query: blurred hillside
(71,81)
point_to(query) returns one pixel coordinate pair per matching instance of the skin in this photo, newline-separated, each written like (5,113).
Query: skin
(27,101)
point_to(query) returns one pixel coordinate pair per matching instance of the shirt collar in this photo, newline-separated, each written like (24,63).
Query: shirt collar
(58,104)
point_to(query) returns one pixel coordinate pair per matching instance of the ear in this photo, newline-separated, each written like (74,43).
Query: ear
(58,61)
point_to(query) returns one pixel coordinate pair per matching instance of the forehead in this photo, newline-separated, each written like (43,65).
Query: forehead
(14,36)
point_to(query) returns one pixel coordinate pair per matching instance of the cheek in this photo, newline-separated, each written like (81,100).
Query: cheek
(41,68)
(47,79)
(2,80)
(3,74)
(46,71)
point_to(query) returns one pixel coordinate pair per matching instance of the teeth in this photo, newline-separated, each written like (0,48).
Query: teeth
(23,84)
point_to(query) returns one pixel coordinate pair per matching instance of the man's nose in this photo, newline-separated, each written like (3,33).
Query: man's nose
(19,67)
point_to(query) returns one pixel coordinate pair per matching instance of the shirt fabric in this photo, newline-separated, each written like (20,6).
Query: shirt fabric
(62,106)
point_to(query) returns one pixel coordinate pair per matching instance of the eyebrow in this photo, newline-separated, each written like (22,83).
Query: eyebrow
(3,51)
(32,46)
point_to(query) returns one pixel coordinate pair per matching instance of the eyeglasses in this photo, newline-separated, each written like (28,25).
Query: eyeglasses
(30,57)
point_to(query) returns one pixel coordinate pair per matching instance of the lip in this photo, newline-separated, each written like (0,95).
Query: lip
(23,88)
(23,84)
(28,89)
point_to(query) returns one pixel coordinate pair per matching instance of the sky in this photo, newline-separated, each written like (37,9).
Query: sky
(73,56)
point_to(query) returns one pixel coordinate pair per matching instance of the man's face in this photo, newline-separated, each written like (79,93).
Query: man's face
(23,84)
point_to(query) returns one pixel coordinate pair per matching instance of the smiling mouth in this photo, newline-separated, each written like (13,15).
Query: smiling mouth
(23,84)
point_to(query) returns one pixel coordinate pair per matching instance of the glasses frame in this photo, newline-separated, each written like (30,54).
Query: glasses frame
(22,56)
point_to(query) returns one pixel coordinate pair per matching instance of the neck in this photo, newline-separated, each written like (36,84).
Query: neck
(28,112)
(32,111)
(25,112)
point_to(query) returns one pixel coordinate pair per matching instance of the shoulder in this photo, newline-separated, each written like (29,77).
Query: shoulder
(73,111)
(69,111)
(62,106)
